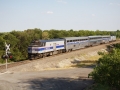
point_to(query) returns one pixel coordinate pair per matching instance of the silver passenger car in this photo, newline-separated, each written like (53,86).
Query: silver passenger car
(95,40)
(73,43)
(106,39)
(113,38)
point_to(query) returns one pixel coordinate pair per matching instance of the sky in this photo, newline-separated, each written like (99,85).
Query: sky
(59,15)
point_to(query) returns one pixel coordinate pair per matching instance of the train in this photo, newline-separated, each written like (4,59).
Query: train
(42,48)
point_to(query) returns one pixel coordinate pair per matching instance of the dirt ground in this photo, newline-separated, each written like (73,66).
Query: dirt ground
(52,73)
(64,79)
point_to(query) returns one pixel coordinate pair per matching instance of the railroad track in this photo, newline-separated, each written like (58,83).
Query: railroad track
(10,65)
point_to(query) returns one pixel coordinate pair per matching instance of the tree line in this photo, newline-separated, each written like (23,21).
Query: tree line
(20,40)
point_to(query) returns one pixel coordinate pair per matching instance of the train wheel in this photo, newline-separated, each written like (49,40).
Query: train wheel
(39,56)
(44,55)
(51,53)
(59,51)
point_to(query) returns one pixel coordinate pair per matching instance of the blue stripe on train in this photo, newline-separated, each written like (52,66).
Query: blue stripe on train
(60,46)
(48,48)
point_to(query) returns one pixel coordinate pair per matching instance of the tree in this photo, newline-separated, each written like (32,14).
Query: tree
(108,70)
(45,35)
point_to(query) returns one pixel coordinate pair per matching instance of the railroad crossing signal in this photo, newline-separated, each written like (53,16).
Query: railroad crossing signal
(8,56)
(7,52)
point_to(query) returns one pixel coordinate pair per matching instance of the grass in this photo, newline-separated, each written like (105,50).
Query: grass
(87,63)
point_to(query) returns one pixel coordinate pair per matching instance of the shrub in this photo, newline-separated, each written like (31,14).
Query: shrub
(108,69)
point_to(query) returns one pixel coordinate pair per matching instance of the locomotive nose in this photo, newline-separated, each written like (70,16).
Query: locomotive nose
(29,49)
(33,50)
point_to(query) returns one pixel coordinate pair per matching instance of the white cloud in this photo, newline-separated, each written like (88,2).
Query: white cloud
(49,12)
(118,4)
(114,4)
(110,3)
(61,1)
(93,15)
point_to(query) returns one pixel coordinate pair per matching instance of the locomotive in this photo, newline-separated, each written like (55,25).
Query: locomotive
(42,48)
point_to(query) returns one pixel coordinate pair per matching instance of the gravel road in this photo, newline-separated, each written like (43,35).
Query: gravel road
(65,79)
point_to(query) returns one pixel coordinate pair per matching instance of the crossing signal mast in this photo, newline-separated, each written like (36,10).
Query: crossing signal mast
(7,53)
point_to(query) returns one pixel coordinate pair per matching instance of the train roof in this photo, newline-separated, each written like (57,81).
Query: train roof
(95,36)
(51,40)
(74,38)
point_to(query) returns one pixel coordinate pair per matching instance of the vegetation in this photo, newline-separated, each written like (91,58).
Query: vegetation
(107,71)
(19,40)
(98,87)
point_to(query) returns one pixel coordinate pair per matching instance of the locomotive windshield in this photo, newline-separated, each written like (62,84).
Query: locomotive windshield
(37,43)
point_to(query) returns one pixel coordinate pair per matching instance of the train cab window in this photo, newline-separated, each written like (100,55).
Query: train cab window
(43,44)
(36,43)
(68,41)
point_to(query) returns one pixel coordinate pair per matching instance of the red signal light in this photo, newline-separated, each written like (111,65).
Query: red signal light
(10,56)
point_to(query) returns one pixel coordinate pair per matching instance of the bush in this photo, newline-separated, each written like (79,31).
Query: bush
(108,69)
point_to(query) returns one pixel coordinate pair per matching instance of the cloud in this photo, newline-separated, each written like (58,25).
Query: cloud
(110,3)
(61,1)
(49,12)
(118,4)
(93,15)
